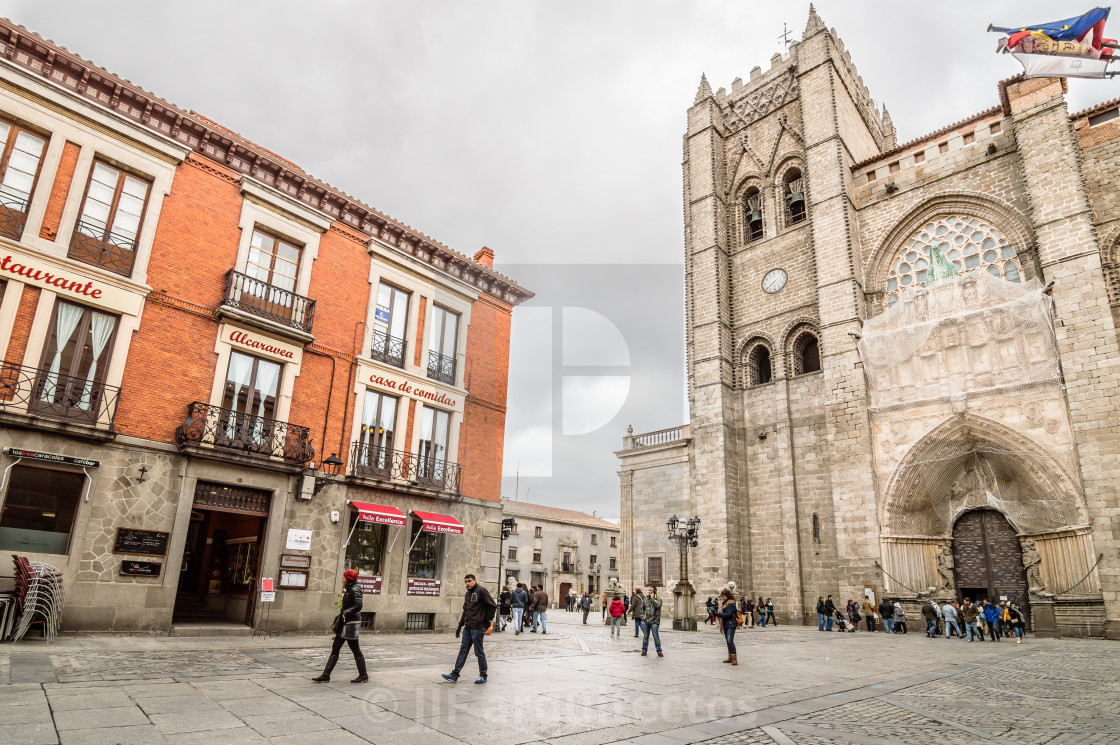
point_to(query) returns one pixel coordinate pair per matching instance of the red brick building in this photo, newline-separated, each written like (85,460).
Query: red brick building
(219,370)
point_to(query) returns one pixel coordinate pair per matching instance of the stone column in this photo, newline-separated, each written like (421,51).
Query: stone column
(1069,254)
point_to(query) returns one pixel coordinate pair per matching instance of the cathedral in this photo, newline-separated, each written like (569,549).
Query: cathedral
(903,359)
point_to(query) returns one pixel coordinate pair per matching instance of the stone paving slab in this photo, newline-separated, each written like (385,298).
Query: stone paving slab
(575,686)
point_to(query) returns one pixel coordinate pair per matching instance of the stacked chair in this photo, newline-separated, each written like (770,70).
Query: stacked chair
(39,598)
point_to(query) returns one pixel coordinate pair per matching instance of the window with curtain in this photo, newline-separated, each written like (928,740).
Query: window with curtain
(441,345)
(272,268)
(435,427)
(379,413)
(249,401)
(109,224)
(75,358)
(423,559)
(22,154)
(389,319)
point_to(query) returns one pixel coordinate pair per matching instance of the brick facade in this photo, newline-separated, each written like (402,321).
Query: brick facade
(797,479)
(184,294)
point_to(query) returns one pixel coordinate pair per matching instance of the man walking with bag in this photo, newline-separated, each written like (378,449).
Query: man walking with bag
(474,624)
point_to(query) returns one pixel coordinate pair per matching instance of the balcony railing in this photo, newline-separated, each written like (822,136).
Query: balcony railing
(387,349)
(568,568)
(13,214)
(660,437)
(371,461)
(37,392)
(112,252)
(213,426)
(441,368)
(268,301)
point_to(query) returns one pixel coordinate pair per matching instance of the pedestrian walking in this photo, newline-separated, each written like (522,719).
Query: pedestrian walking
(1003,621)
(853,614)
(991,618)
(761,612)
(617,609)
(829,612)
(505,608)
(345,628)
(712,609)
(729,619)
(868,613)
(886,612)
(899,618)
(938,619)
(820,612)
(651,621)
(949,615)
(770,618)
(540,606)
(746,610)
(625,606)
(585,605)
(637,601)
(474,625)
(1017,621)
(929,615)
(518,601)
(969,614)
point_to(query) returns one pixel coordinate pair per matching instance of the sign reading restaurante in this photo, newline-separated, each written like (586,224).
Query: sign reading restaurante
(48,273)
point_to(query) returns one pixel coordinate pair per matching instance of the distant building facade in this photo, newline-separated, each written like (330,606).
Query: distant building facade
(220,370)
(563,550)
(884,399)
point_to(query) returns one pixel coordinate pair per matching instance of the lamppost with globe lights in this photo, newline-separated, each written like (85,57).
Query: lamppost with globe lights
(686,535)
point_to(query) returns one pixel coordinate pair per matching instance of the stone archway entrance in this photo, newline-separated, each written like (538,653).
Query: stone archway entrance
(988,559)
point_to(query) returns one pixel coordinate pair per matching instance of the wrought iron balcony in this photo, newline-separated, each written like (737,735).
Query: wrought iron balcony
(268,301)
(38,392)
(441,368)
(387,349)
(111,251)
(13,214)
(569,568)
(371,461)
(213,426)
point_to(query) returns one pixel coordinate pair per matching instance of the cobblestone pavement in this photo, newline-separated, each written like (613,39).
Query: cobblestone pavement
(575,686)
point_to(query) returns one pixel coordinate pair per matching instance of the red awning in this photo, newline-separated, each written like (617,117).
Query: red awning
(379,513)
(437,523)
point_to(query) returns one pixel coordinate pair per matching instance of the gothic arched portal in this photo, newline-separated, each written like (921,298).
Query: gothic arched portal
(988,560)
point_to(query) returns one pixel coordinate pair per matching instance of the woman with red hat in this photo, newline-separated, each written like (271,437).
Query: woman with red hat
(346,629)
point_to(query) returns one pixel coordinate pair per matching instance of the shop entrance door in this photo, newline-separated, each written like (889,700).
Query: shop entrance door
(221,561)
(988,560)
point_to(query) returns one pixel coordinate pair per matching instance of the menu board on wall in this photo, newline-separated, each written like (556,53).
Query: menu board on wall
(423,587)
(144,542)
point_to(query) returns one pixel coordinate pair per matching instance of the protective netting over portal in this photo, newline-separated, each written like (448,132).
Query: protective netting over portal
(979,353)
(966,334)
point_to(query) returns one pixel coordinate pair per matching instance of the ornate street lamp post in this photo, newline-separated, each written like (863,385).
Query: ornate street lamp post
(686,536)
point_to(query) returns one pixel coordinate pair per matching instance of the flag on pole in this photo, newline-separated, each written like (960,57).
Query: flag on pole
(1073,47)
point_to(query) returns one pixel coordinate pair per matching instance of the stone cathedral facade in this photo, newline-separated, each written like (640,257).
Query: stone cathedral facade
(903,359)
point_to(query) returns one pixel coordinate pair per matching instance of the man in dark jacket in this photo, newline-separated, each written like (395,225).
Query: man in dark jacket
(886,612)
(929,615)
(651,621)
(519,600)
(829,613)
(585,606)
(540,605)
(637,605)
(478,612)
(820,613)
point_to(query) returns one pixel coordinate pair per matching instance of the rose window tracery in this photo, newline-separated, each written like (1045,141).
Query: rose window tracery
(968,242)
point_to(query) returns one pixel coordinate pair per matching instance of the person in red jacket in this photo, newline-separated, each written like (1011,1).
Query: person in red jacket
(617,608)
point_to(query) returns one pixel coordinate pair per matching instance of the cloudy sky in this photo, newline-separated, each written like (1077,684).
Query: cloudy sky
(549,131)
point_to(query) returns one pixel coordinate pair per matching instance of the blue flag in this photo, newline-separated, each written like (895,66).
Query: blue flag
(1069,29)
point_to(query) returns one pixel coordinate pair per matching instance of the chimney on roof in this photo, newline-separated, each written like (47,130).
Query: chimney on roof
(485,256)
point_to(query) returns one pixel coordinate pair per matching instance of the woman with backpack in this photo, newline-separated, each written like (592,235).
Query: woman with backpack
(729,620)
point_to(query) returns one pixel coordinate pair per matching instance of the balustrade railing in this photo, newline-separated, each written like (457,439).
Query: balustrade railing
(13,214)
(387,349)
(268,301)
(41,392)
(113,252)
(229,429)
(441,368)
(660,437)
(373,461)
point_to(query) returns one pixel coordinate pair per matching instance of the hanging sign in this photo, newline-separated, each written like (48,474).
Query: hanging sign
(370,585)
(146,542)
(64,460)
(141,568)
(268,597)
(298,540)
(266,584)
(423,587)
(295,561)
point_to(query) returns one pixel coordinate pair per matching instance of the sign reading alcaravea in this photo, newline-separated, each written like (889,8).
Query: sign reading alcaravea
(1070,48)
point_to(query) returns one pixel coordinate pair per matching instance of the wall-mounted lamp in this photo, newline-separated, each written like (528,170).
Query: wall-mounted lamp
(330,467)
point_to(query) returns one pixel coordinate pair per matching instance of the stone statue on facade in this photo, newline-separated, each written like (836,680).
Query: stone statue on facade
(1032,562)
(555,566)
(945,566)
